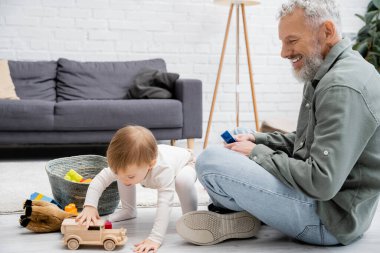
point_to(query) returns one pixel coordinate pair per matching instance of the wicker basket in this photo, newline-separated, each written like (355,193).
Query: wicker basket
(66,192)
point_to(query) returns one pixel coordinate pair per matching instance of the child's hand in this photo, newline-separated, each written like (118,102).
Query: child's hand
(89,214)
(146,246)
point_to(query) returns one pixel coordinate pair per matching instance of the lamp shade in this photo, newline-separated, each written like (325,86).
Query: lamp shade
(229,2)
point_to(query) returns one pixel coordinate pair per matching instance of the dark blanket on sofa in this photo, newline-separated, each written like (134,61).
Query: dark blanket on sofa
(152,83)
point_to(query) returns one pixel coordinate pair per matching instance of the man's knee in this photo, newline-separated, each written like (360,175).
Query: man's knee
(210,160)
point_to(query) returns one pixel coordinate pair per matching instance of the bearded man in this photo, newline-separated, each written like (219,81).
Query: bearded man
(319,184)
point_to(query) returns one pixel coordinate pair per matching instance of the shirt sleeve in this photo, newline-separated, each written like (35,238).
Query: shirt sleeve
(344,125)
(277,141)
(165,182)
(101,181)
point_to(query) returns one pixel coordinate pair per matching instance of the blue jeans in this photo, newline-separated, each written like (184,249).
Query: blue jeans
(237,183)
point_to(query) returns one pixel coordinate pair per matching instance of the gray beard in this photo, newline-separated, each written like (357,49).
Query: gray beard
(308,72)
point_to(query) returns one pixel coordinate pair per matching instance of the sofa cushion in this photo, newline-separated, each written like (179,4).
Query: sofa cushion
(83,115)
(153,84)
(7,88)
(34,80)
(99,80)
(26,115)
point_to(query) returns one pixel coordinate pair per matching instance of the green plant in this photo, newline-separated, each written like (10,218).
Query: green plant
(368,39)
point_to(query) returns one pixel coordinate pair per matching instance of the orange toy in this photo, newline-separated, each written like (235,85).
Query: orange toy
(71,208)
(88,180)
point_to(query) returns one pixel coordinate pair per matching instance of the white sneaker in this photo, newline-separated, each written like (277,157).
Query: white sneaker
(208,228)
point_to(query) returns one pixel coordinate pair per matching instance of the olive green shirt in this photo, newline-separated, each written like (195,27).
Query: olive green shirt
(334,155)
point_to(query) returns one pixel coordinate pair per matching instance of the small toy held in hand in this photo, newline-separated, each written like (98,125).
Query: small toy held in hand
(100,233)
(227,137)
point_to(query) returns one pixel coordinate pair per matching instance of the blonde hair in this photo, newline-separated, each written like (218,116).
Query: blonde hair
(131,145)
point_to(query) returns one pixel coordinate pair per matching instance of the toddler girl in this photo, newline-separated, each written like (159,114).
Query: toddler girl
(134,157)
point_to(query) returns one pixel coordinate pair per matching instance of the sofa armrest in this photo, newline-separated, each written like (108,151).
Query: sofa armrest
(189,92)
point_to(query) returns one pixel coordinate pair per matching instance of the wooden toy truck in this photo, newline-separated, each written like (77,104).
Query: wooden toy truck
(98,234)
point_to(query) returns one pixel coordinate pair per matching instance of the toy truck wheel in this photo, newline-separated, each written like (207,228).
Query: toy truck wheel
(109,245)
(73,244)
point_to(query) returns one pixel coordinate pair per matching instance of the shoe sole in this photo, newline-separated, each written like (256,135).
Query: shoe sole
(208,228)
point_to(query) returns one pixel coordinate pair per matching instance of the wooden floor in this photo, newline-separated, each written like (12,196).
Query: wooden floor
(14,238)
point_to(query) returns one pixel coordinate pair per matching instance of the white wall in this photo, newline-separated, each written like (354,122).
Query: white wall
(187,34)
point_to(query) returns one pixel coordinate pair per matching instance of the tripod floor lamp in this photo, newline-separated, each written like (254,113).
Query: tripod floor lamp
(238,4)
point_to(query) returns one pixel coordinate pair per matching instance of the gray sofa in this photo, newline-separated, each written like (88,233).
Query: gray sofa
(71,102)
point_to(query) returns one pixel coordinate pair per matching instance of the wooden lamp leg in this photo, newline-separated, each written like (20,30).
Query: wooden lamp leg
(237,80)
(250,68)
(218,77)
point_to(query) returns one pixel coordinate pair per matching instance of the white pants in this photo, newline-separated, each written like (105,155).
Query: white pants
(184,186)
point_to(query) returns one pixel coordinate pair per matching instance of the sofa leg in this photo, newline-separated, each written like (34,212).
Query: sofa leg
(172,142)
(190,144)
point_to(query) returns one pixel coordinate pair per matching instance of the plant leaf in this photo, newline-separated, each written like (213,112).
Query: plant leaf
(362,48)
(361,17)
(363,32)
(370,15)
(371,7)
(373,60)
(372,33)
(376,3)
(376,49)
(368,37)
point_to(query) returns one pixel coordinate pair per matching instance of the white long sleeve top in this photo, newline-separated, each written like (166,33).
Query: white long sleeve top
(170,161)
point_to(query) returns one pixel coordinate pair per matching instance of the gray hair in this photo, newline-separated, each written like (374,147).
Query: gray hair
(316,11)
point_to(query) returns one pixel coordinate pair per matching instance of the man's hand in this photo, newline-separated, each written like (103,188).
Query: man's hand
(245,137)
(89,214)
(146,246)
(243,147)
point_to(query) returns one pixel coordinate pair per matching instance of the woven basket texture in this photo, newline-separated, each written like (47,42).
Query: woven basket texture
(66,192)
